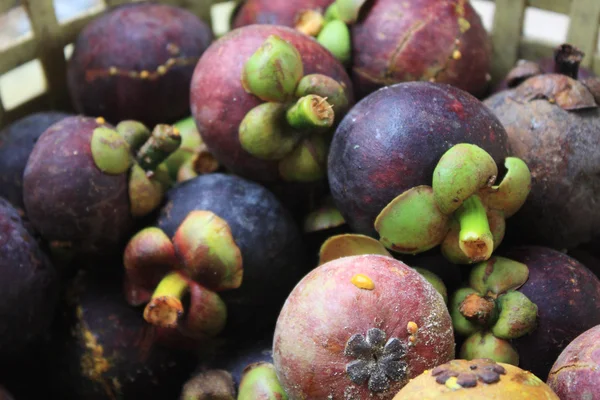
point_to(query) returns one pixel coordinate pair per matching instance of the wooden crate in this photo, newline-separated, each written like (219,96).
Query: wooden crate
(48,38)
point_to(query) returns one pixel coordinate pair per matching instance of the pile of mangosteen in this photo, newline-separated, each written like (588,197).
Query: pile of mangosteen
(319,204)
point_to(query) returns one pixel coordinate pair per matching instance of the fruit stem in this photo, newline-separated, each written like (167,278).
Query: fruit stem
(567,59)
(310,112)
(310,22)
(165,140)
(477,308)
(475,237)
(165,308)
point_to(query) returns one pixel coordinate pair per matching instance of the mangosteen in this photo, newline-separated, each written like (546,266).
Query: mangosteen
(16,143)
(480,379)
(525,306)
(86,181)
(136,62)
(387,42)
(29,288)
(224,252)
(360,327)
(552,121)
(398,140)
(265,98)
(576,372)
(103,349)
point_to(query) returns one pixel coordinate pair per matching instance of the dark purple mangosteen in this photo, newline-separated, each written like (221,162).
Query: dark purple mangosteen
(136,62)
(16,143)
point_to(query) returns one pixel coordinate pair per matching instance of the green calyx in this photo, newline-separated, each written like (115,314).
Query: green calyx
(348,10)
(326,87)
(110,151)
(323,218)
(491,311)
(335,37)
(462,211)
(349,245)
(259,381)
(135,133)
(191,143)
(145,193)
(307,162)
(273,71)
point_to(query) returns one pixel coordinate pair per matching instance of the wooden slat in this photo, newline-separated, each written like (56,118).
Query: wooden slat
(6,5)
(19,53)
(506,35)
(50,48)
(558,6)
(2,113)
(583,28)
(71,29)
(534,50)
(39,103)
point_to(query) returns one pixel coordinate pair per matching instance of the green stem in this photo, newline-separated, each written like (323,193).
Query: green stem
(475,237)
(134,132)
(310,112)
(165,140)
(165,308)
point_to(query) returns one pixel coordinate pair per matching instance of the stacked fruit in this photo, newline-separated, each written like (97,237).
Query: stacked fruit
(220,220)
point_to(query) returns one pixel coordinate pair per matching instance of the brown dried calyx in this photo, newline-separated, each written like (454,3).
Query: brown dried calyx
(477,308)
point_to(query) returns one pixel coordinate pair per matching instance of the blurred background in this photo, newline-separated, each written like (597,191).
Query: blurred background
(27,81)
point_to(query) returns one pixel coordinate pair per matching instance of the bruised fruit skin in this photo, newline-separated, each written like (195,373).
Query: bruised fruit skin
(392,141)
(219,113)
(268,239)
(67,197)
(29,286)
(479,379)
(136,62)
(331,328)
(279,12)
(552,122)
(576,372)
(16,143)
(105,350)
(567,295)
(432,40)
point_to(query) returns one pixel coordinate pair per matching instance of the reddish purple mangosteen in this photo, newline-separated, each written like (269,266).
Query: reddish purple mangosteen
(525,309)
(103,349)
(359,327)
(576,373)
(388,41)
(136,62)
(277,12)
(404,137)
(85,181)
(16,143)
(552,121)
(265,99)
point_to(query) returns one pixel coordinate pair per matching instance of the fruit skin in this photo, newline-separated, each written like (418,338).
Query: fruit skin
(29,287)
(103,348)
(136,38)
(567,295)
(392,140)
(219,102)
(67,198)
(325,309)
(428,39)
(515,384)
(16,143)
(275,12)
(560,148)
(273,256)
(576,372)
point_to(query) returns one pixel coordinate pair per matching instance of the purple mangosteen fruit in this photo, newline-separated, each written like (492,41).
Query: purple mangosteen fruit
(86,181)
(525,306)
(265,98)
(552,121)
(224,252)
(576,372)
(29,287)
(387,42)
(136,62)
(103,348)
(404,137)
(360,327)
(16,143)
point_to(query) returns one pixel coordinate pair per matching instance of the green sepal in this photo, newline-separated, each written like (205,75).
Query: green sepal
(273,71)
(348,10)
(412,223)
(134,132)
(498,275)
(307,162)
(486,345)
(110,151)
(510,195)
(310,112)
(349,245)
(260,382)
(335,37)
(145,194)
(326,87)
(518,316)
(326,217)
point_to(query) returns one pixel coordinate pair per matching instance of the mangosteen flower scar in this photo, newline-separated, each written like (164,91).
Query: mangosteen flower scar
(376,360)
(463,211)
